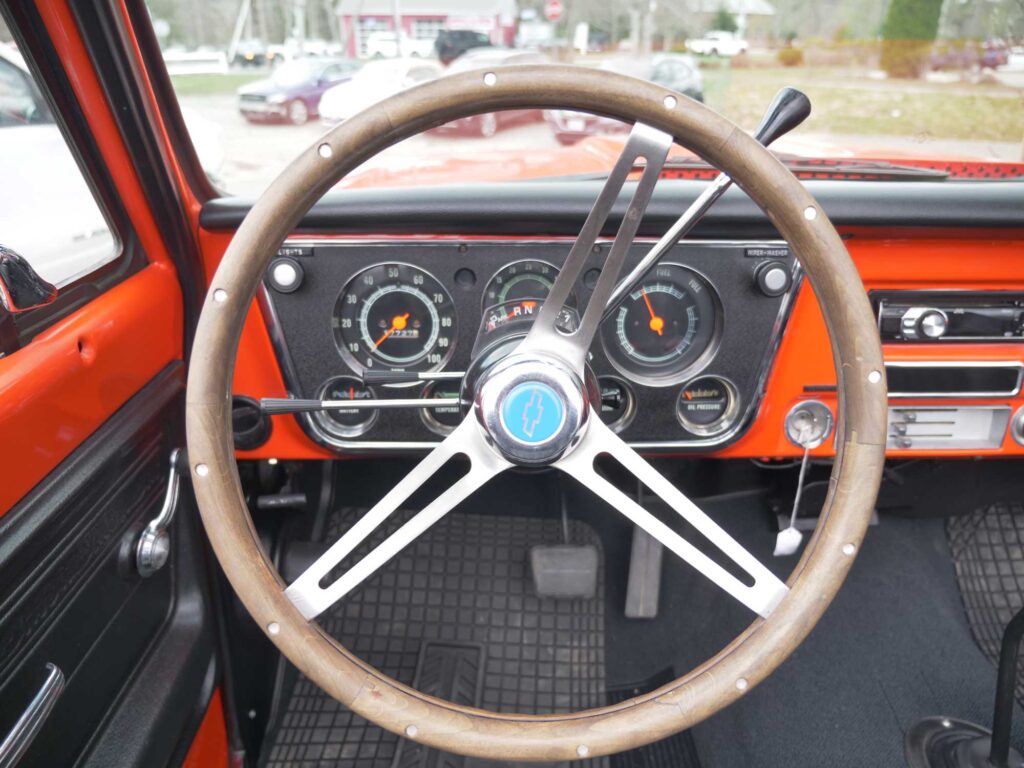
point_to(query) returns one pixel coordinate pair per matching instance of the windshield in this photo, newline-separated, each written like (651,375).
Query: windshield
(931,85)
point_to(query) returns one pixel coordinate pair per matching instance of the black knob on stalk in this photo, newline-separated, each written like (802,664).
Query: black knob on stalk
(788,109)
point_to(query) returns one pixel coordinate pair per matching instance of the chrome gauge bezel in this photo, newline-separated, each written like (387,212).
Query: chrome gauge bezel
(391,363)
(427,416)
(329,425)
(486,304)
(724,422)
(634,373)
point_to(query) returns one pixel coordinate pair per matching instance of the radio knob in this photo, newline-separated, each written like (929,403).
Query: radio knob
(924,323)
(933,324)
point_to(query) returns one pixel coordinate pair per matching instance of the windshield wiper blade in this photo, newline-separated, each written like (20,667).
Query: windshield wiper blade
(877,169)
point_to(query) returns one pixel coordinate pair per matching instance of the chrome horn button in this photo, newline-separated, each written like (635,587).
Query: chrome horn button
(532,409)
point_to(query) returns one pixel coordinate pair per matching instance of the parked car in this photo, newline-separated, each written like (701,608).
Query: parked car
(33,152)
(676,71)
(948,55)
(292,94)
(250,53)
(718,43)
(452,43)
(21,103)
(382,45)
(375,81)
(489,123)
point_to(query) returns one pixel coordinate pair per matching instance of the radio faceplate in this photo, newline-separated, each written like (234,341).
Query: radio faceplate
(960,316)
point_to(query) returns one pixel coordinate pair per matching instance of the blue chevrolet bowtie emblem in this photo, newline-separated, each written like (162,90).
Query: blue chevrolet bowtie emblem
(532,412)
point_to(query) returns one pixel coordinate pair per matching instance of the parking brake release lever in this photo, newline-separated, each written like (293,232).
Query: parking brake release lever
(788,109)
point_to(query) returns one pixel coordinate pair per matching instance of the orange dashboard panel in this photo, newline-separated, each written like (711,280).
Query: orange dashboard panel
(802,368)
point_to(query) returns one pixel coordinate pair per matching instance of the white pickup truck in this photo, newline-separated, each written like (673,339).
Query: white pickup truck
(718,43)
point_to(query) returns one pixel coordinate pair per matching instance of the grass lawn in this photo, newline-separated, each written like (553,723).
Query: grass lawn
(205,85)
(848,102)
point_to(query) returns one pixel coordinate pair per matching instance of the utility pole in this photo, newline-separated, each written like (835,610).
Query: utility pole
(396,20)
(634,28)
(236,34)
(299,24)
(649,9)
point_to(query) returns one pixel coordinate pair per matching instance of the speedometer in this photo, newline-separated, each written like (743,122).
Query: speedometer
(394,317)
(665,327)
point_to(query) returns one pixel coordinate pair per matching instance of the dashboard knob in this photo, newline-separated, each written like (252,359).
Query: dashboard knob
(933,324)
(924,323)
(285,274)
(772,278)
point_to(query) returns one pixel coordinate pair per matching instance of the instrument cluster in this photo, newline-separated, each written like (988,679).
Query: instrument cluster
(680,362)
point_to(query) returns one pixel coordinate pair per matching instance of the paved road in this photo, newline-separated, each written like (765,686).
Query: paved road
(255,154)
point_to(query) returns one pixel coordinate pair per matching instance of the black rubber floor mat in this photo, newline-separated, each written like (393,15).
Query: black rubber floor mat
(988,554)
(677,751)
(464,583)
(449,671)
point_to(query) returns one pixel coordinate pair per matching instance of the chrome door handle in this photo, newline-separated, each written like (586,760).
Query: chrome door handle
(154,544)
(27,728)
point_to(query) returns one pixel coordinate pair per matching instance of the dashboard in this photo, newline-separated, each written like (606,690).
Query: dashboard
(941,263)
(680,364)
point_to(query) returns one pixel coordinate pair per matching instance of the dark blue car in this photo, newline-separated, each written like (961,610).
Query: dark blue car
(292,94)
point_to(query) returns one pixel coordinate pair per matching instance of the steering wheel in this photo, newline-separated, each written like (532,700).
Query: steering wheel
(533,408)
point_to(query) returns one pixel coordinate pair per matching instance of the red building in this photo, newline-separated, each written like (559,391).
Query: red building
(423,19)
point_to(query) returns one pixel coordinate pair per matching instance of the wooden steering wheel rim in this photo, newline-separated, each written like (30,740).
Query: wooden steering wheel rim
(734,670)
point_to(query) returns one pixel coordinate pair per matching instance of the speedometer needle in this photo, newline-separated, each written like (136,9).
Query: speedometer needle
(657,324)
(397,324)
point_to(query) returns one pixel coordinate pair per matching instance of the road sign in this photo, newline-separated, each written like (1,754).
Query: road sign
(553,10)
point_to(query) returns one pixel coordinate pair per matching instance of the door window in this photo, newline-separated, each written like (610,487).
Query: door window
(48,213)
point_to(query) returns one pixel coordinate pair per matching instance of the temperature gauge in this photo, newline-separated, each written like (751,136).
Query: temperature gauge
(527,279)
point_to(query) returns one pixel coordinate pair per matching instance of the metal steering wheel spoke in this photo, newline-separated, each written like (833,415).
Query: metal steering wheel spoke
(652,146)
(306,591)
(766,591)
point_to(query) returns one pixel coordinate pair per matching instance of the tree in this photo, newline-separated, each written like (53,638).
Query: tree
(907,35)
(725,21)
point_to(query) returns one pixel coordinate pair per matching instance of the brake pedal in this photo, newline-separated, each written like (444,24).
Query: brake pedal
(564,570)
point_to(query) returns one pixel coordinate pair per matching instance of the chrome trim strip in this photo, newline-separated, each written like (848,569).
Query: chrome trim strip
(27,727)
(957,364)
(361,447)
